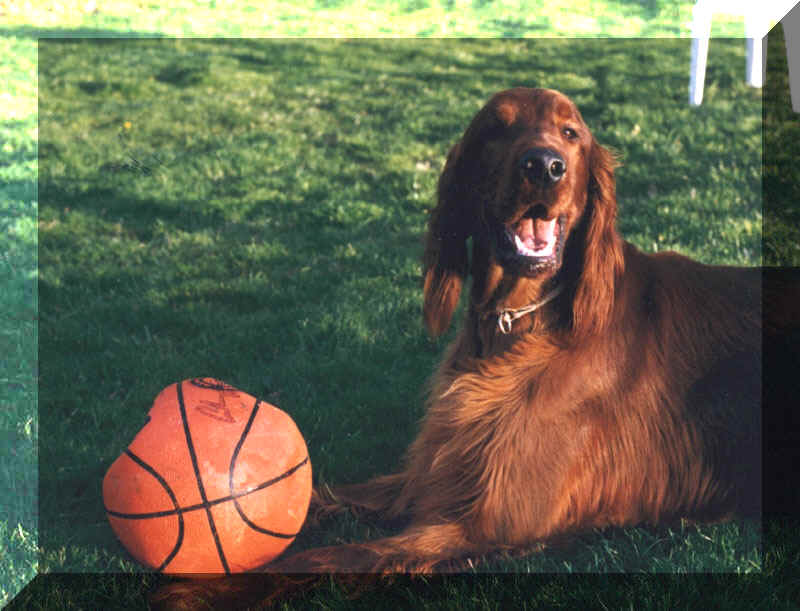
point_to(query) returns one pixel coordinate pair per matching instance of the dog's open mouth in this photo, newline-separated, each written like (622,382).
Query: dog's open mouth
(535,237)
(531,245)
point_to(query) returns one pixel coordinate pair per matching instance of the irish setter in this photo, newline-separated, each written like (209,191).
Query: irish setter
(591,384)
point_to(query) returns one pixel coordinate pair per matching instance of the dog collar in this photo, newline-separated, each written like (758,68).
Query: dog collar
(507,316)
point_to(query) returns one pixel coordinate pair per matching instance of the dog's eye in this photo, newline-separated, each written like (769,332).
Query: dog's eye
(569,133)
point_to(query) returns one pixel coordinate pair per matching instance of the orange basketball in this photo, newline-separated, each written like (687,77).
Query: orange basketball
(216,481)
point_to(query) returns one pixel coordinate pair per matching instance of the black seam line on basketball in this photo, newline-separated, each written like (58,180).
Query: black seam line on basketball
(200,487)
(195,507)
(172,497)
(201,383)
(236,504)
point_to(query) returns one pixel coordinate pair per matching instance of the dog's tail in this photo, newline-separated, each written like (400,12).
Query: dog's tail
(230,592)
(424,549)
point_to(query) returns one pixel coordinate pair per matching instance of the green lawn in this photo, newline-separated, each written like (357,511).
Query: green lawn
(326,18)
(254,209)
(781,173)
(18,322)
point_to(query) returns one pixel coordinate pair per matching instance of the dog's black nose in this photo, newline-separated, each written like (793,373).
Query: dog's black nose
(542,165)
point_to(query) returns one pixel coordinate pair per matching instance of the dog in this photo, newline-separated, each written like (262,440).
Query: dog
(590,385)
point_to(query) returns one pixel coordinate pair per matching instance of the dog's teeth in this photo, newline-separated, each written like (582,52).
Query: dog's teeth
(521,247)
(544,251)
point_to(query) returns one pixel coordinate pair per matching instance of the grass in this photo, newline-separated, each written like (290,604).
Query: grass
(265,228)
(253,210)
(326,18)
(18,325)
(781,176)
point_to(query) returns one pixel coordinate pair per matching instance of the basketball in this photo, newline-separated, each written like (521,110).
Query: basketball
(216,482)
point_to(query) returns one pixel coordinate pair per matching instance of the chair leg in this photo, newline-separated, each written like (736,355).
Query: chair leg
(701,30)
(755,30)
(755,62)
(791,34)
(697,75)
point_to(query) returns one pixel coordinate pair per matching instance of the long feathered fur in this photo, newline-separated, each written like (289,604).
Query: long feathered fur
(633,397)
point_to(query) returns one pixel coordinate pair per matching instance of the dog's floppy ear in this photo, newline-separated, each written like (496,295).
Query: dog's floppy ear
(603,260)
(446,260)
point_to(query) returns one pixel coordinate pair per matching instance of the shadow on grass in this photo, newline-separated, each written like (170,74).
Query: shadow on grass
(781,174)
(513,28)
(30,31)
(650,8)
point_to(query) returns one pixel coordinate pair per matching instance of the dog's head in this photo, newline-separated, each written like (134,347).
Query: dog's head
(531,186)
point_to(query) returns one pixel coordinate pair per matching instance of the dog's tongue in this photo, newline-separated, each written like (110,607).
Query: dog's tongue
(535,237)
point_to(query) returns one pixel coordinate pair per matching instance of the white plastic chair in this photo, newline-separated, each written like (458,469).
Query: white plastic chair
(791,34)
(758,17)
